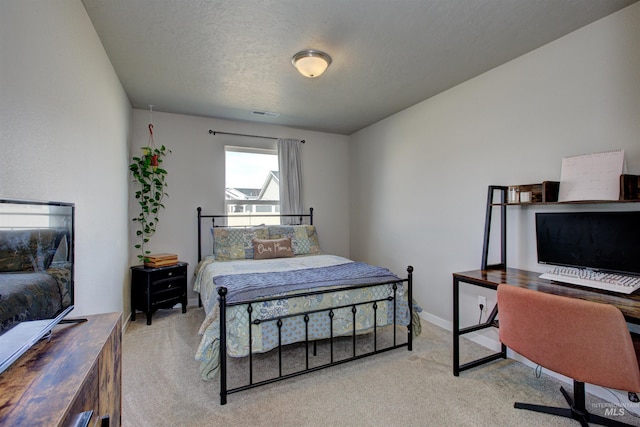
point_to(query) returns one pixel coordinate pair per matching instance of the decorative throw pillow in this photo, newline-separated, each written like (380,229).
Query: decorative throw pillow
(304,238)
(236,243)
(272,248)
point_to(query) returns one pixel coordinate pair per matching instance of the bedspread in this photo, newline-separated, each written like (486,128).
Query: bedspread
(265,336)
(242,287)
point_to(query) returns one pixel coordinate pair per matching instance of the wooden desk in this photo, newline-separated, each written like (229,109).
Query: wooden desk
(491,278)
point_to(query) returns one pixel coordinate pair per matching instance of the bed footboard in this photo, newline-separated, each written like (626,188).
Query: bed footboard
(280,319)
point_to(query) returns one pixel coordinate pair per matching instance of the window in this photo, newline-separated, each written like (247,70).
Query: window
(17,216)
(252,184)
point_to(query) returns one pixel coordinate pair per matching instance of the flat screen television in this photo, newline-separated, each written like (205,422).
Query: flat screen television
(601,241)
(36,272)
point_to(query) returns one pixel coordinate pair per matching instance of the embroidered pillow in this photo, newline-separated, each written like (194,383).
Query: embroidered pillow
(272,248)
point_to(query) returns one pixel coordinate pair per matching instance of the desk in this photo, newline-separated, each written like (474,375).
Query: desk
(491,278)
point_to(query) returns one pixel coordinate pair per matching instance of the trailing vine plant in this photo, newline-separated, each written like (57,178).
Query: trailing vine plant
(147,172)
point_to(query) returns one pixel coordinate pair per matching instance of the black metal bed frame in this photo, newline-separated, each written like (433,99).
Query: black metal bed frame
(330,312)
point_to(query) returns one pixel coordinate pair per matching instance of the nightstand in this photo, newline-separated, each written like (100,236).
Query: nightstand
(161,287)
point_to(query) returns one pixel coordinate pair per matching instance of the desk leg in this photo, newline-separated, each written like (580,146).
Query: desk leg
(456,327)
(457,332)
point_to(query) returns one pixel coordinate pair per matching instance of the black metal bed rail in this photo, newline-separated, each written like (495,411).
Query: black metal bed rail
(222,292)
(312,293)
(300,218)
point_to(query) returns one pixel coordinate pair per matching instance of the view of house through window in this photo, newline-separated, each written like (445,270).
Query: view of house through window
(252,184)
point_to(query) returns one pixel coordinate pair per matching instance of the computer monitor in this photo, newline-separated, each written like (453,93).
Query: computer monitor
(603,241)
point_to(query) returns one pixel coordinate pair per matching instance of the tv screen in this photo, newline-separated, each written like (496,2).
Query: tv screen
(36,272)
(604,241)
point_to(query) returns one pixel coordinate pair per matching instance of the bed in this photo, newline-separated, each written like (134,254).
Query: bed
(267,288)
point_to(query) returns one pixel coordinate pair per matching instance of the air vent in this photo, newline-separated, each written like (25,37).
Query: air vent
(265,113)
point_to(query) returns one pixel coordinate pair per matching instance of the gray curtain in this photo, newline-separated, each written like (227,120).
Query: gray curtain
(290,178)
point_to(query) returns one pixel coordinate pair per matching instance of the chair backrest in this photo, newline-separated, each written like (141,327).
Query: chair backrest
(587,341)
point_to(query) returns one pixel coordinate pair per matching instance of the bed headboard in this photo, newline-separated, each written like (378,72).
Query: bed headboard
(254,220)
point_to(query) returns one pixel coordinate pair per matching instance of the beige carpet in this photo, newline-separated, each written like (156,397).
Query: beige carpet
(161,386)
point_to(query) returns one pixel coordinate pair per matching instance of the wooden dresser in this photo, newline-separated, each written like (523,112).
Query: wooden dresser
(79,370)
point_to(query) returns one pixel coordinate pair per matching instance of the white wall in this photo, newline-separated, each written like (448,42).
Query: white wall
(196,178)
(419,178)
(64,130)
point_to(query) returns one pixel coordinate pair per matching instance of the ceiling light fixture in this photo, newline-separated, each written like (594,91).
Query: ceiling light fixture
(311,63)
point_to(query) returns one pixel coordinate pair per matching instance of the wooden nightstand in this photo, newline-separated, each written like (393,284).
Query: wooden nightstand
(154,288)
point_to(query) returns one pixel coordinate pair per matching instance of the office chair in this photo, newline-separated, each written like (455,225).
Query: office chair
(586,341)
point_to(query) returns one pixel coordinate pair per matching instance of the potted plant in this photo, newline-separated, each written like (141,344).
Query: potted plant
(147,172)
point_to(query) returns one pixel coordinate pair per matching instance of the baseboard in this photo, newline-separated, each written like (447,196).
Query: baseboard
(435,320)
(125,322)
(476,337)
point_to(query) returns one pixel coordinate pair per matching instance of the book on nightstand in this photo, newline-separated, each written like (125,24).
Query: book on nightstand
(160,260)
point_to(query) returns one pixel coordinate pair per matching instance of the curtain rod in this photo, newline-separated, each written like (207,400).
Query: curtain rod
(213,132)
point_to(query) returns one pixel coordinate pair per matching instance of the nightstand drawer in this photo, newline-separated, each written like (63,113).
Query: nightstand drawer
(172,295)
(168,283)
(167,273)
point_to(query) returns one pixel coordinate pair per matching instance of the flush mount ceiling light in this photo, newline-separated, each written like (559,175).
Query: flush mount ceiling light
(311,63)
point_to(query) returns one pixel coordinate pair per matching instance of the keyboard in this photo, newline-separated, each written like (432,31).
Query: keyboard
(594,279)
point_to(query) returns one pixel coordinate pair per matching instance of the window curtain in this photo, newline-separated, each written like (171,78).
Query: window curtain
(290,178)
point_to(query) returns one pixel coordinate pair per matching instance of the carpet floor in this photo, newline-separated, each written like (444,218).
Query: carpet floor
(161,386)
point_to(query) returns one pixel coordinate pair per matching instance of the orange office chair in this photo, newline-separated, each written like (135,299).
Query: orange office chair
(583,340)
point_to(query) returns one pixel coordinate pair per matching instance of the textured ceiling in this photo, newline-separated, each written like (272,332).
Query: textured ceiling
(227,58)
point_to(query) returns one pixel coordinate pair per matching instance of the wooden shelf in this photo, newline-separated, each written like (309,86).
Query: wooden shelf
(576,202)
(546,193)
(543,194)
